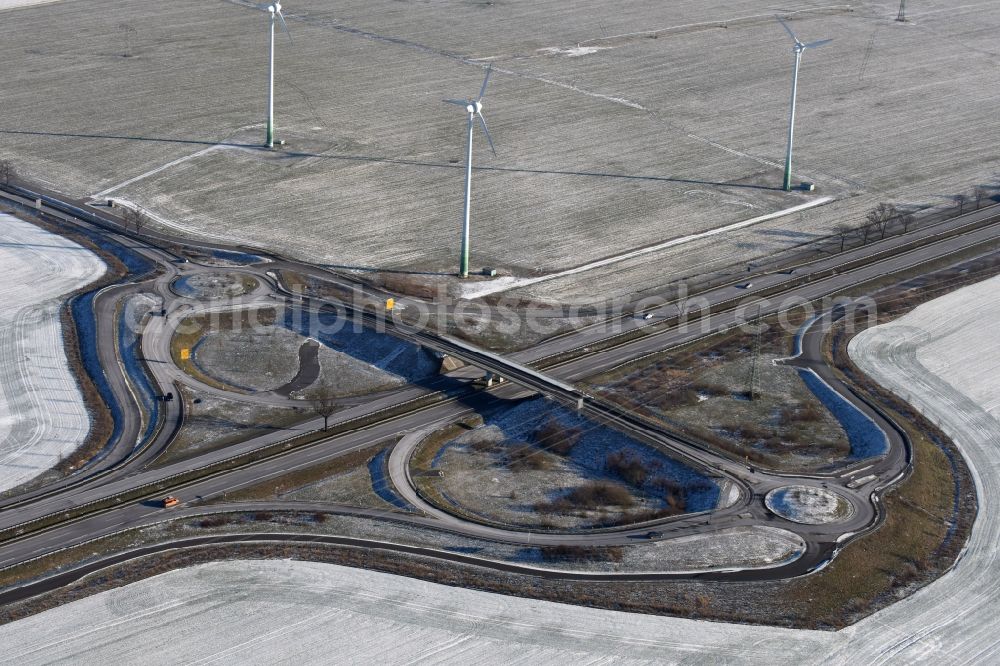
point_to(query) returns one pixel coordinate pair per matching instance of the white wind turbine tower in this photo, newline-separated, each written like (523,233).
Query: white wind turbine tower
(474,107)
(797,49)
(274,9)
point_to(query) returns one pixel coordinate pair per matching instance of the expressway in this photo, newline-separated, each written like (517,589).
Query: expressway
(124,468)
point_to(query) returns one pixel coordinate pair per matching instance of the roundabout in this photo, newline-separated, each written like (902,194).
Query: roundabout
(808,505)
(210,286)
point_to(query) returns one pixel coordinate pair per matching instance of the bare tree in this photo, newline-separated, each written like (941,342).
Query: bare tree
(879,218)
(980,194)
(891,215)
(864,232)
(906,219)
(134,218)
(843,231)
(126,216)
(323,401)
(7,172)
(140,220)
(960,200)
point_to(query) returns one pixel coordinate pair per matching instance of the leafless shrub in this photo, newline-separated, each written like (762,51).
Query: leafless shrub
(583,553)
(213,521)
(526,456)
(801,413)
(627,466)
(554,437)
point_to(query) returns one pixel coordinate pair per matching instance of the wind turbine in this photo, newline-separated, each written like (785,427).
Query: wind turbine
(274,9)
(797,50)
(474,107)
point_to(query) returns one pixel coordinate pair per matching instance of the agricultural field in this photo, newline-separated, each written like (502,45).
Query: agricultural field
(42,413)
(617,127)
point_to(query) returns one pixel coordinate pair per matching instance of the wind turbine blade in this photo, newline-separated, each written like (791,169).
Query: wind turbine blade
(787,29)
(482,91)
(816,45)
(285,26)
(456,102)
(486,130)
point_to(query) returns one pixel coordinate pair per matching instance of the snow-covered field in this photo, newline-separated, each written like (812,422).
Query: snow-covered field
(301,612)
(618,126)
(42,416)
(14,4)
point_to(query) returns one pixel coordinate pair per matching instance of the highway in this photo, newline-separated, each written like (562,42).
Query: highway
(125,466)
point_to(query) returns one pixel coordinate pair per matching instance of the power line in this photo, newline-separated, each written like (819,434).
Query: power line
(753,391)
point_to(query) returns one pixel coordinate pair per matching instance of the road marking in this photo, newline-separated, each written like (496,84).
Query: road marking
(477,290)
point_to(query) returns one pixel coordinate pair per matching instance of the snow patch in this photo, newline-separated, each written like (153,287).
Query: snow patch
(573,51)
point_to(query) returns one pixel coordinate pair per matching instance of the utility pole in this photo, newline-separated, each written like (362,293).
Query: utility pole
(901,17)
(755,362)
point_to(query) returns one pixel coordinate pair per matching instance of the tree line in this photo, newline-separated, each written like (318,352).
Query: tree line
(881,219)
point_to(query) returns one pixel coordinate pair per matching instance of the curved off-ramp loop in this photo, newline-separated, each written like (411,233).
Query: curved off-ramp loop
(690,526)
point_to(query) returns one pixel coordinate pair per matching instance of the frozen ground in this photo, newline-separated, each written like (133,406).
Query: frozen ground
(479,480)
(266,357)
(260,358)
(618,127)
(42,416)
(706,390)
(213,422)
(598,442)
(266,610)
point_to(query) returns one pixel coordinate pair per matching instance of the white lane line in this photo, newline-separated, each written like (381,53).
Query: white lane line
(477,290)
